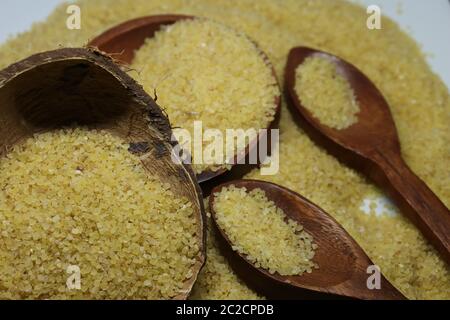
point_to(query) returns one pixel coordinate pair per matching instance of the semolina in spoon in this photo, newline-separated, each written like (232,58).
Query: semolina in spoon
(371,145)
(342,264)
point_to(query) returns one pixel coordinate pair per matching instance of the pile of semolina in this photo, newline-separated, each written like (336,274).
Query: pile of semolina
(419,101)
(75,199)
(326,93)
(205,71)
(217,280)
(260,230)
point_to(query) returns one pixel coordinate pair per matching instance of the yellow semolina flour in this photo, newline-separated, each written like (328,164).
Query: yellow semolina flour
(419,101)
(79,200)
(326,93)
(260,230)
(205,71)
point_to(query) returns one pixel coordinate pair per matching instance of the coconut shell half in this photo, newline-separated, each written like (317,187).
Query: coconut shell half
(53,89)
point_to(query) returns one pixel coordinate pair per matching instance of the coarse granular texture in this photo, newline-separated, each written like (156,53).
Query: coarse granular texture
(326,93)
(217,281)
(205,71)
(419,101)
(261,231)
(75,197)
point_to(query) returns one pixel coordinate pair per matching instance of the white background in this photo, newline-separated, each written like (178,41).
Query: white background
(428,21)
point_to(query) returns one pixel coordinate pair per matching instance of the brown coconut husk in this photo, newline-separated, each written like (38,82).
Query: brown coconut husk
(54,89)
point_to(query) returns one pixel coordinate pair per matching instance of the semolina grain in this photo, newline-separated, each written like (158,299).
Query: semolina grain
(326,93)
(205,71)
(75,197)
(419,101)
(217,280)
(260,230)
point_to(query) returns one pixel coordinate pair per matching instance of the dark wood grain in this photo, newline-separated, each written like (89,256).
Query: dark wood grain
(122,41)
(371,145)
(54,89)
(342,263)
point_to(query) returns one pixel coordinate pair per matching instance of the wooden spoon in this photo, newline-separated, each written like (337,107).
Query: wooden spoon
(123,40)
(57,88)
(342,263)
(372,146)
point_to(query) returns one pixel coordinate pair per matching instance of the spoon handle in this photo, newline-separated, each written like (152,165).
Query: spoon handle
(415,199)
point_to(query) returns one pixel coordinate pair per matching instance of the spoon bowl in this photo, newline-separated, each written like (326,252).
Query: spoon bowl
(371,145)
(122,41)
(342,263)
(368,132)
